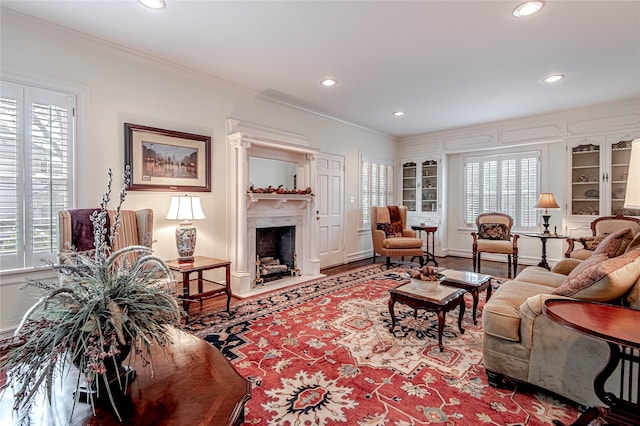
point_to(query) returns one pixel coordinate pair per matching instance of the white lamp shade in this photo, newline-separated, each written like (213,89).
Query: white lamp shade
(546,201)
(185,208)
(632,197)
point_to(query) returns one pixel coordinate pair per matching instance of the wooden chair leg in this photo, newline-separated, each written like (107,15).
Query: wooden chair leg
(475,257)
(515,265)
(509,263)
(474,269)
(388,262)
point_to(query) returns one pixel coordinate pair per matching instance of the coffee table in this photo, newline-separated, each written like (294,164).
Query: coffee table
(440,301)
(472,282)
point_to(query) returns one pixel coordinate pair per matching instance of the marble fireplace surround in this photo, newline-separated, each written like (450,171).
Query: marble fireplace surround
(253,210)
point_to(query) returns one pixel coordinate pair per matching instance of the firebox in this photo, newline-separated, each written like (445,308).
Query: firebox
(275,252)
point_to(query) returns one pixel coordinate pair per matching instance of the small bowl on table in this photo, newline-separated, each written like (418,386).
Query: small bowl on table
(429,286)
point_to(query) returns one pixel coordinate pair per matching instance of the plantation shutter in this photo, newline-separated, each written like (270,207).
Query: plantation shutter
(507,183)
(35,148)
(376,179)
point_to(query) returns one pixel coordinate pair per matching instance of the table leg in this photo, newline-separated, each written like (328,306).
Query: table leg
(228,287)
(489,290)
(543,263)
(474,294)
(461,314)
(440,313)
(392,301)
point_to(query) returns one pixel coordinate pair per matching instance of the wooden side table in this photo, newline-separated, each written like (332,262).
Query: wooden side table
(618,326)
(429,255)
(200,264)
(189,383)
(543,238)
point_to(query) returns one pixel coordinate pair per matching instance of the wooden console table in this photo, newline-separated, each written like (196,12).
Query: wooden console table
(200,264)
(618,326)
(190,383)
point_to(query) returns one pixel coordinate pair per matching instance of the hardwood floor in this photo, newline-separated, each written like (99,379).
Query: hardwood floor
(498,269)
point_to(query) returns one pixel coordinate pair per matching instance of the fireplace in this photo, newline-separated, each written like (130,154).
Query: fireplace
(252,212)
(275,253)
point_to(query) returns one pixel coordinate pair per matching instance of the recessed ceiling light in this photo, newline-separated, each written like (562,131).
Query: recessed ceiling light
(527,8)
(399,113)
(153,4)
(553,78)
(328,82)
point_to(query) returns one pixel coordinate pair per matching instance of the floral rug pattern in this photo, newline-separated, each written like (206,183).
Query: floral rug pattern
(321,353)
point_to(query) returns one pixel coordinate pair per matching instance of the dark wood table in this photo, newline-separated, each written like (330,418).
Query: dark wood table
(543,238)
(200,264)
(618,326)
(191,383)
(471,282)
(440,301)
(429,255)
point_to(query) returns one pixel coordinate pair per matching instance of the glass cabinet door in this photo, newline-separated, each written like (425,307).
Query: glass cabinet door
(617,179)
(429,198)
(585,180)
(409,185)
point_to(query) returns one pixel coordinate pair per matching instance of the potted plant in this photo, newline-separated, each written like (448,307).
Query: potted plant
(103,306)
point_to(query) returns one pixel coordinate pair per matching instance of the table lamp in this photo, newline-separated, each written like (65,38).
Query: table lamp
(546,202)
(632,196)
(185,208)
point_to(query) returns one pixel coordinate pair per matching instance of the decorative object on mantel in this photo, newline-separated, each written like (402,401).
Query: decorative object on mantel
(185,208)
(546,201)
(103,306)
(279,190)
(632,198)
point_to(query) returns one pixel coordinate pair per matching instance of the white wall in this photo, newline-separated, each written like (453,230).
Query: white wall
(117,87)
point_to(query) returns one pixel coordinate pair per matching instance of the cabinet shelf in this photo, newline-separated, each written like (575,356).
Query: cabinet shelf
(585,167)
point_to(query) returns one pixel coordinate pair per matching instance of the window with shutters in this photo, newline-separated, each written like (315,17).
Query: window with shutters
(508,183)
(376,183)
(36,140)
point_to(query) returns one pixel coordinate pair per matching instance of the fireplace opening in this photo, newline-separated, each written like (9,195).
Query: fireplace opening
(275,253)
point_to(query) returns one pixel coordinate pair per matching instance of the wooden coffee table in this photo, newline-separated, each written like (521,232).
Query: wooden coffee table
(440,301)
(472,282)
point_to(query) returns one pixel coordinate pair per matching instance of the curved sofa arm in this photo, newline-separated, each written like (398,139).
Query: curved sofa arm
(565,266)
(529,311)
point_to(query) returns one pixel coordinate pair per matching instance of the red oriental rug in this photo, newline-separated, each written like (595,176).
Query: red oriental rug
(321,353)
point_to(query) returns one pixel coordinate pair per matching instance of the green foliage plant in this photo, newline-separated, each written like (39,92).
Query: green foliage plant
(104,302)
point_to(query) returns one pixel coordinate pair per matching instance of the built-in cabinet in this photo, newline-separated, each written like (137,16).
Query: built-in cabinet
(420,186)
(599,167)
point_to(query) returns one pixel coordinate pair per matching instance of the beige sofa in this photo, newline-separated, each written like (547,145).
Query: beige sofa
(521,343)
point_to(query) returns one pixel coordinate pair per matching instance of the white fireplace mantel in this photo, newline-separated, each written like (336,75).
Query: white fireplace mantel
(249,140)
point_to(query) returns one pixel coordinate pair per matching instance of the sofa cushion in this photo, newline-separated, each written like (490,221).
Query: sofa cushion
(493,231)
(389,232)
(402,243)
(581,254)
(602,279)
(612,243)
(542,276)
(501,314)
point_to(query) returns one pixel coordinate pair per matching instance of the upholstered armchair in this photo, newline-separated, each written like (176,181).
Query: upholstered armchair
(494,236)
(390,238)
(600,228)
(76,231)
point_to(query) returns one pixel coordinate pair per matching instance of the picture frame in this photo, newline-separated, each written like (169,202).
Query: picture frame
(167,160)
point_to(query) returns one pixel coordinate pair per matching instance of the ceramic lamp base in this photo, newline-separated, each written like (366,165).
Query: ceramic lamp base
(545,223)
(185,242)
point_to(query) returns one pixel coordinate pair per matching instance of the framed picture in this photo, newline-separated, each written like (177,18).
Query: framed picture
(166,160)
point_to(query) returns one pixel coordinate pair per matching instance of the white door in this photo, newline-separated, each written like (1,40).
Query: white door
(330,205)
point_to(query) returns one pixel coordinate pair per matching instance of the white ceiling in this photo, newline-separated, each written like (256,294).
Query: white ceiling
(446,63)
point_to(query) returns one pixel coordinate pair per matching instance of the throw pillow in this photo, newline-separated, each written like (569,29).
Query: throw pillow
(590,243)
(611,244)
(625,243)
(493,231)
(634,244)
(388,230)
(602,279)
